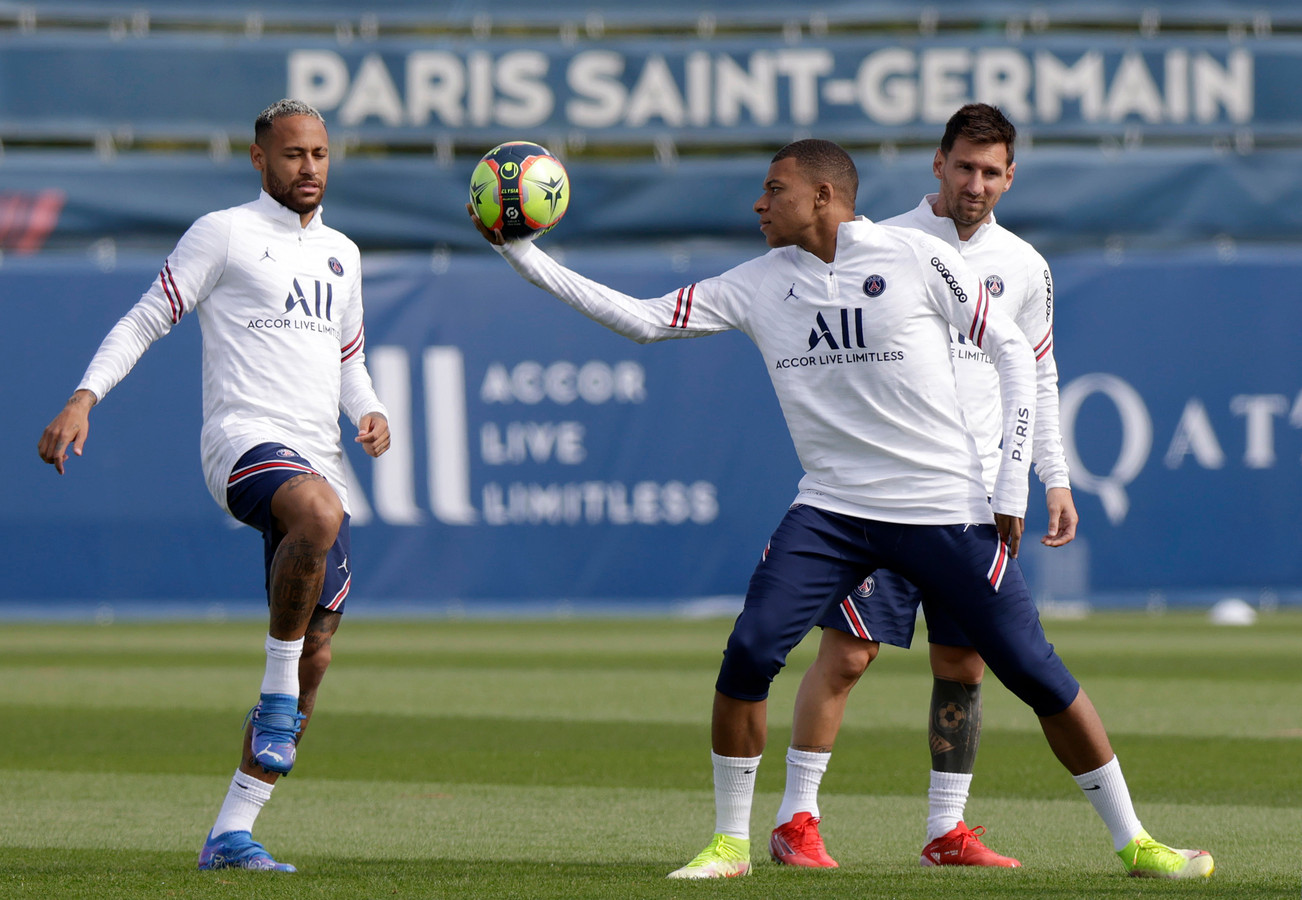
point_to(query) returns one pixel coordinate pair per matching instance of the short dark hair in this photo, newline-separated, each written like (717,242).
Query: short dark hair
(824,161)
(279,110)
(979,123)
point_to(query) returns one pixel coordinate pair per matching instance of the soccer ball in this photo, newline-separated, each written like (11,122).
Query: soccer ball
(520,188)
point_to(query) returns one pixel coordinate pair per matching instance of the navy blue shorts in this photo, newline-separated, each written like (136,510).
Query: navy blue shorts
(254,479)
(884,606)
(816,558)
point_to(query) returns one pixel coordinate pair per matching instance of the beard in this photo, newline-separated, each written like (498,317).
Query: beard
(283,194)
(964,214)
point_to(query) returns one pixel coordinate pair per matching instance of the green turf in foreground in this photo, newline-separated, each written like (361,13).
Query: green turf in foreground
(384,839)
(101,875)
(569,760)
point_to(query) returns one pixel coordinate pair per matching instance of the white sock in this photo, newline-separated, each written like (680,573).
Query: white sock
(946,800)
(734,790)
(281,676)
(804,774)
(244,800)
(1107,792)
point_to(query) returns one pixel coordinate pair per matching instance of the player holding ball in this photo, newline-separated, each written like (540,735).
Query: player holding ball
(892,476)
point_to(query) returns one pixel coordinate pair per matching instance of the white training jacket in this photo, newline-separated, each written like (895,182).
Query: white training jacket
(280,308)
(1018,281)
(859,354)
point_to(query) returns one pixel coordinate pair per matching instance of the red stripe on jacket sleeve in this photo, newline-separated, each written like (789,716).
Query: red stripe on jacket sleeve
(978,331)
(173,294)
(1046,344)
(349,350)
(687,314)
(683,307)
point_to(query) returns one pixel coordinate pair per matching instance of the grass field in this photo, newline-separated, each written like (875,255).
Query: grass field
(568,759)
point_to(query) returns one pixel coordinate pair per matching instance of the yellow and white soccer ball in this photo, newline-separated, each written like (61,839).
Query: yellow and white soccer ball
(520,188)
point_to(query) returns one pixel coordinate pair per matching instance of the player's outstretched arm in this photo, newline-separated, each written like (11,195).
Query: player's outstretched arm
(1062,517)
(70,426)
(373,434)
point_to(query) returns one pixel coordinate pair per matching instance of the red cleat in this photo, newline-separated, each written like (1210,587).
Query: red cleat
(962,847)
(798,843)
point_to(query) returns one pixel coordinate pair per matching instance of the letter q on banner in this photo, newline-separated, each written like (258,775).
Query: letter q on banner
(1136,440)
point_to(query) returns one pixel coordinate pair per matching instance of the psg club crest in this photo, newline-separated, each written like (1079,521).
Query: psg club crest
(335,266)
(285,453)
(995,285)
(873,285)
(866,589)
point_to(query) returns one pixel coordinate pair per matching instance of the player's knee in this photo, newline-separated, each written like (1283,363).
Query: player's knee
(961,664)
(315,515)
(1048,689)
(843,659)
(750,664)
(755,657)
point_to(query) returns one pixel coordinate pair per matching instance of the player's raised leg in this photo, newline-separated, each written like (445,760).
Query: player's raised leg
(308,512)
(276,491)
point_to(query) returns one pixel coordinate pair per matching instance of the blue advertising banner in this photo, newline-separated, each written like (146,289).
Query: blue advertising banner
(1182,413)
(537,456)
(457,88)
(540,458)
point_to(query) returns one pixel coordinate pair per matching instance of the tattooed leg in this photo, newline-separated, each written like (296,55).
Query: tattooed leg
(309,513)
(954,726)
(316,658)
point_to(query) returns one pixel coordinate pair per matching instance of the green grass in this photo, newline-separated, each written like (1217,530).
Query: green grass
(568,759)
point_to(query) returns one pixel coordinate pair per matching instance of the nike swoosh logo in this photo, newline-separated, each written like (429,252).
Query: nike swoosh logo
(1093,787)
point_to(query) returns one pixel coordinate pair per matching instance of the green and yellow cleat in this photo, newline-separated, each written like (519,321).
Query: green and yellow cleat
(723,857)
(1146,858)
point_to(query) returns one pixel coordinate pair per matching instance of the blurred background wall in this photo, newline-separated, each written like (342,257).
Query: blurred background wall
(542,461)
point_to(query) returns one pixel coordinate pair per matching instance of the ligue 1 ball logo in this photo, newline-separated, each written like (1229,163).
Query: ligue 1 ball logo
(520,188)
